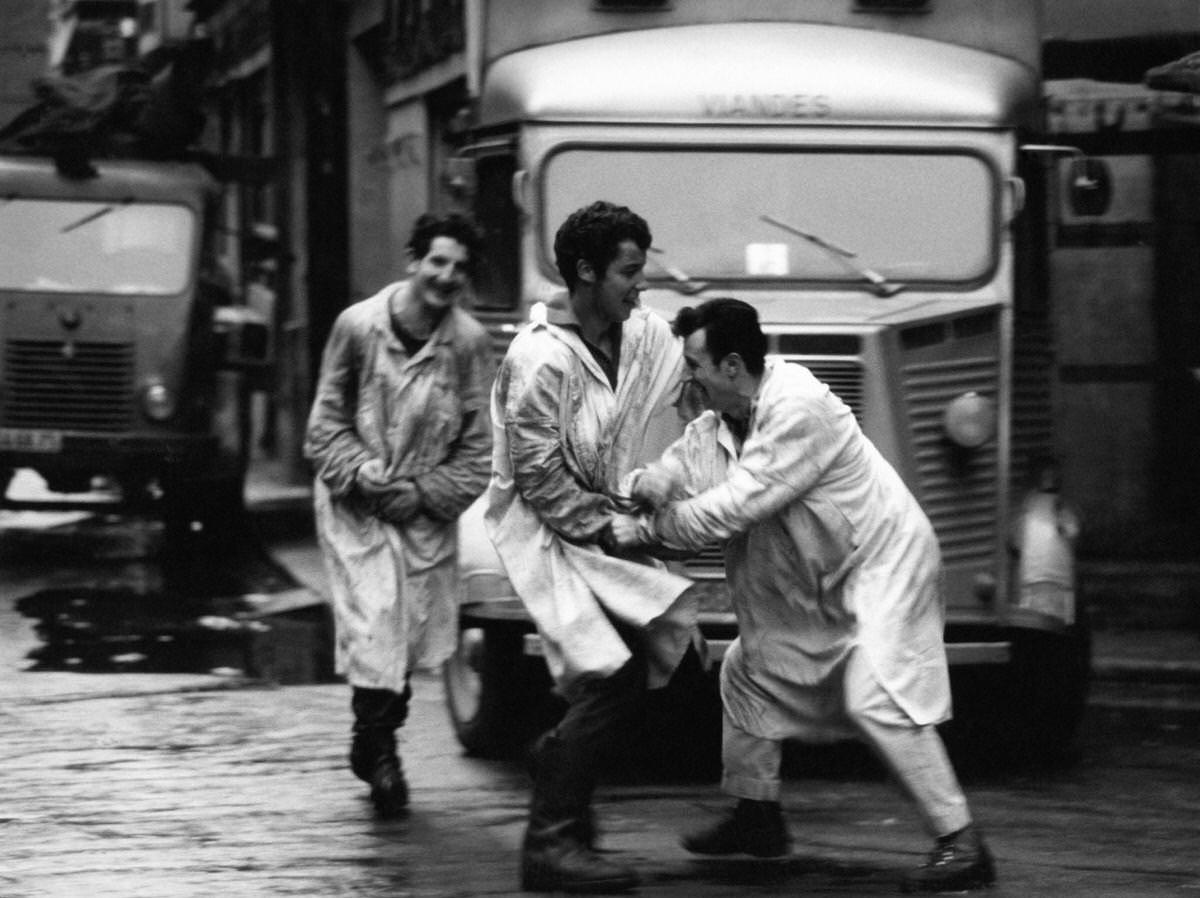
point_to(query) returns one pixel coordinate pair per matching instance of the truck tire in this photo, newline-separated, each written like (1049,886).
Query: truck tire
(1049,677)
(498,698)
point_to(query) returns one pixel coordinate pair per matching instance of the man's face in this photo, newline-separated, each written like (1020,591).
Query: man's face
(440,277)
(717,389)
(617,292)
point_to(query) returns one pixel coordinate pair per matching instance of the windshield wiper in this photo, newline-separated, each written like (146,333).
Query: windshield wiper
(879,284)
(92,216)
(679,280)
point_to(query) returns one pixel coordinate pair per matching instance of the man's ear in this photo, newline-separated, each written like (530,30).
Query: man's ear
(732,365)
(586,272)
(412,266)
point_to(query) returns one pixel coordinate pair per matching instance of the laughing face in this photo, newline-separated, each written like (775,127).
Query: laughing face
(618,292)
(441,277)
(713,386)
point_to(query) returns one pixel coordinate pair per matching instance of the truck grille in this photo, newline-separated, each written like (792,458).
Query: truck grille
(1032,409)
(959,493)
(77,386)
(844,377)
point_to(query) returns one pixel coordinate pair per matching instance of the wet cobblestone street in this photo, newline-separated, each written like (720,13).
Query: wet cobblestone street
(236,792)
(197,784)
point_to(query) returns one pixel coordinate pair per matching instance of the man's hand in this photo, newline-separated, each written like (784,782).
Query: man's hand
(394,501)
(401,504)
(624,532)
(651,489)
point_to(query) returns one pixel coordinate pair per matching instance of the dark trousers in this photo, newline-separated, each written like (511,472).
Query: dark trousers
(380,709)
(605,713)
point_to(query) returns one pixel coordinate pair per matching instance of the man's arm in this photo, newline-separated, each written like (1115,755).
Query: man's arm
(447,490)
(794,443)
(331,439)
(540,471)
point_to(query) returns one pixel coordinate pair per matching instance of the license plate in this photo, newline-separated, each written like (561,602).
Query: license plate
(21,440)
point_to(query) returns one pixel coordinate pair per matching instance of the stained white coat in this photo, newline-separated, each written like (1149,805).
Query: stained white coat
(563,441)
(826,550)
(421,417)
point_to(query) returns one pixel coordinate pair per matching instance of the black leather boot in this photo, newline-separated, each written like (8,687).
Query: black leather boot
(373,759)
(753,827)
(556,855)
(389,789)
(958,862)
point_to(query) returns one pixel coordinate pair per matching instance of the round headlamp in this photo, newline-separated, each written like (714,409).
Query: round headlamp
(970,420)
(158,401)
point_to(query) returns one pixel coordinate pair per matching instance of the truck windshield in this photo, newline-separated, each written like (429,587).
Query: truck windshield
(910,217)
(69,246)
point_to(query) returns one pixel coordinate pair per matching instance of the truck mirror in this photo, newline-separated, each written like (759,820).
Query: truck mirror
(460,177)
(1089,186)
(242,336)
(261,243)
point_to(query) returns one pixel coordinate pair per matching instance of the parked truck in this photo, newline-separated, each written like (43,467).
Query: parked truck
(124,356)
(867,174)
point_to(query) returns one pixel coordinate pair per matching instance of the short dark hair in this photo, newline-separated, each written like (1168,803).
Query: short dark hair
(730,325)
(594,234)
(454,225)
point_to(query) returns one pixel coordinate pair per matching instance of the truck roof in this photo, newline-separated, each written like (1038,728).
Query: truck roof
(761,73)
(1010,28)
(139,179)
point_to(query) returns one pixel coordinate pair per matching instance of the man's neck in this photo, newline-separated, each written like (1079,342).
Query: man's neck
(747,390)
(593,327)
(411,314)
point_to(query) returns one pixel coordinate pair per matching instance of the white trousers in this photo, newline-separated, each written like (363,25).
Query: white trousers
(914,755)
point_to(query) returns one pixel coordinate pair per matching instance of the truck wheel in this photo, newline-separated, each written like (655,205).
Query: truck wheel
(1048,677)
(499,699)
(682,739)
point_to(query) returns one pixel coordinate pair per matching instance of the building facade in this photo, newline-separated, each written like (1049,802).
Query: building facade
(345,114)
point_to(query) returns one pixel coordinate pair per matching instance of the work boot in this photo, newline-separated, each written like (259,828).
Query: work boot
(556,855)
(365,750)
(588,831)
(373,759)
(958,862)
(753,827)
(389,790)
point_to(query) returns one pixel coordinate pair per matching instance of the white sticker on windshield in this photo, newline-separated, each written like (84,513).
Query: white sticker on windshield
(767,259)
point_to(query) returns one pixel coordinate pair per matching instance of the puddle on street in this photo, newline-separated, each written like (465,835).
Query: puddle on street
(135,602)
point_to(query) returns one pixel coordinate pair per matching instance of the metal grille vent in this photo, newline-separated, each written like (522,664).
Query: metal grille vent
(80,386)
(844,377)
(1032,408)
(959,492)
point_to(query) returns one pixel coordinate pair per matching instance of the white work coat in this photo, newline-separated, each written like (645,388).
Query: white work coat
(563,440)
(423,417)
(826,551)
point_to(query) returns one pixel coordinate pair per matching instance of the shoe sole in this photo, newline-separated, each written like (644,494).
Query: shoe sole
(591,887)
(387,806)
(781,851)
(969,885)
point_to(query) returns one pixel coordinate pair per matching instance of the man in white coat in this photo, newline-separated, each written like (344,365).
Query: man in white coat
(835,574)
(572,408)
(400,441)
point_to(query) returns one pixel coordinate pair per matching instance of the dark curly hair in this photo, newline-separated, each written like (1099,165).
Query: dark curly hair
(453,225)
(593,234)
(730,325)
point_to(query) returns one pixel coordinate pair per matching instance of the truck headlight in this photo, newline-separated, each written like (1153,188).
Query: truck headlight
(158,400)
(970,420)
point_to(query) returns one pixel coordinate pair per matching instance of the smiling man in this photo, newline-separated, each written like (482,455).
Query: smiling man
(400,441)
(572,407)
(835,574)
